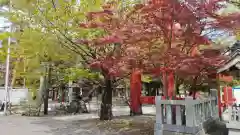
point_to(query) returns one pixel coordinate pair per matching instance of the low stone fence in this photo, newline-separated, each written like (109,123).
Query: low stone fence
(16,95)
(184,117)
(233,120)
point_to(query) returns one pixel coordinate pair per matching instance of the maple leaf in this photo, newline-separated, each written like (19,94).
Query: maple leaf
(159,36)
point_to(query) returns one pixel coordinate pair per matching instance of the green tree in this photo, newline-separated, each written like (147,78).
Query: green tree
(47,31)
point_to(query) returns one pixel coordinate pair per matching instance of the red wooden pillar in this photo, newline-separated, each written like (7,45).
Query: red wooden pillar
(168,81)
(219,99)
(228,96)
(224,78)
(165,84)
(135,92)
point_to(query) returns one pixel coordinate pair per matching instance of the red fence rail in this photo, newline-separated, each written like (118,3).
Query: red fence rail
(151,99)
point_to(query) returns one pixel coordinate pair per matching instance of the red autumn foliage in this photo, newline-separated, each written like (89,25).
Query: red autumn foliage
(157,35)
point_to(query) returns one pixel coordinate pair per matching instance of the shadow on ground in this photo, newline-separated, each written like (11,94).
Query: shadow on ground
(76,125)
(123,125)
(218,129)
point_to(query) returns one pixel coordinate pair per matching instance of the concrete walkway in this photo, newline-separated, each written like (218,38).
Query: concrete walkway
(82,124)
(16,125)
(78,125)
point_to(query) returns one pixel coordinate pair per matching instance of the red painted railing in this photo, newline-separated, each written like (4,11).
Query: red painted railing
(151,99)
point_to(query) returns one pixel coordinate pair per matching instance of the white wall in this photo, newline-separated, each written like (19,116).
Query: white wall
(236,93)
(16,95)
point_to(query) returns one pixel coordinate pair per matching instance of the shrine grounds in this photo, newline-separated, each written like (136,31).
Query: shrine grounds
(86,124)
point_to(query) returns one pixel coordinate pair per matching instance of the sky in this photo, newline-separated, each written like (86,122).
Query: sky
(3,21)
(225,38)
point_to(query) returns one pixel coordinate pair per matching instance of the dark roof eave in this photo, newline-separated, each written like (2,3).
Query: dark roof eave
(233,61)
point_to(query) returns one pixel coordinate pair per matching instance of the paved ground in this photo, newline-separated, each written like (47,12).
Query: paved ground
(71,125)
(82,124)
(15,125)
(78,125)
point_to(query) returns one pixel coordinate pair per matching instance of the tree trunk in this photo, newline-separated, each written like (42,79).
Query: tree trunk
(194,88)
(193,94)
(53,95)
(40,94)
(45,98)
(46,93)
(106,105)
(14,72)
(63,94)
(165,85)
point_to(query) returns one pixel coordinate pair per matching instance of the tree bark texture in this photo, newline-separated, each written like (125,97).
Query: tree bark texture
(106,105)
(45,99)
(46,93)
(40,94)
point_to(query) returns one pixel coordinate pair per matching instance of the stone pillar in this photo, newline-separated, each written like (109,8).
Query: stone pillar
(190,112)
(214,93)
(70,91)
(158,125)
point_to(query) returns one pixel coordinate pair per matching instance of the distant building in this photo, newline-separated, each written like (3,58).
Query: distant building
(229,72)
(233,64)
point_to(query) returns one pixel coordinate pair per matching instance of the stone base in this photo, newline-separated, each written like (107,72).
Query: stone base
(201,132)
(165,129)
(160,132)
(233,132)
(233,128)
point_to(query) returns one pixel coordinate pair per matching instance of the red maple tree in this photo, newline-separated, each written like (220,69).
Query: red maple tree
(163,34)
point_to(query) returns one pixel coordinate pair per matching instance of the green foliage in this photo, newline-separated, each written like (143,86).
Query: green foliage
(4,2)
(238,35)
(32,54)
(4,35)
(76,73)
(234,82)
(236,3)
(146,78)
(46,33)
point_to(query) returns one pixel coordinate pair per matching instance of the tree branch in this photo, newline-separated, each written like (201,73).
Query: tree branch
(64,35)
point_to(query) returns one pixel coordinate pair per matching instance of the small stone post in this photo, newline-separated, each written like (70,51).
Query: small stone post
(70,91)
(158,124)
(214,93)
(190,112)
